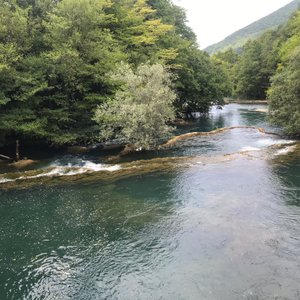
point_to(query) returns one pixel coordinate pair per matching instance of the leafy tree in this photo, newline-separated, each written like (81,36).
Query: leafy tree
(61,86)
(226,61)
(142,106)
(270,43)
(200,83)
(248,76)
(137,29)
(14,43)
(174,15)
(290,37)
(284,94)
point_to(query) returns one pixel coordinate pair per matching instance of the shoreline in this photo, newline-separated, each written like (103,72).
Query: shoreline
(245,101)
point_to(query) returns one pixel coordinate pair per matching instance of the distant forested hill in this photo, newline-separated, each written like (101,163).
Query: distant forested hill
(240,37)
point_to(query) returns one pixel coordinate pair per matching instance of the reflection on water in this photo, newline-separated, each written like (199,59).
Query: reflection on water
(215,229)
(73,236)
(230,115)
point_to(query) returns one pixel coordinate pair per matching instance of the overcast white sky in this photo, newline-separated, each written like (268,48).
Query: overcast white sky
(213,20)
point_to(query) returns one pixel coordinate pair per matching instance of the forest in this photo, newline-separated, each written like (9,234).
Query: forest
(269,68)
(77,72)
(58,61)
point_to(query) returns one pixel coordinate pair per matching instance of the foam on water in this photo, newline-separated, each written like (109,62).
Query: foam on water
(286,150)
(90,166)
(69,170)
(249,148)
(270,142)
(4,180)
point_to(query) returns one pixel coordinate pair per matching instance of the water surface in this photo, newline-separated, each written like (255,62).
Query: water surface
(214,217)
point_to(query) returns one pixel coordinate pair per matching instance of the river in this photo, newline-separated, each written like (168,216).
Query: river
(212,217)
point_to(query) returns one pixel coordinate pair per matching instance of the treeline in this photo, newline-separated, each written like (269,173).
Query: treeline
(269,68)
(57,57)
(256,29)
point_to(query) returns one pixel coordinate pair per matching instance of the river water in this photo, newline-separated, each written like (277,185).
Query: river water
(212,217)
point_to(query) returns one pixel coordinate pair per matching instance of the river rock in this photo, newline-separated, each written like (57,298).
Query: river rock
(78,150)
(112,146)
(23,163)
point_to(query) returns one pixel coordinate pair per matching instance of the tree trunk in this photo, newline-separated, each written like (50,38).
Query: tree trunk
(17,150)
(188,115)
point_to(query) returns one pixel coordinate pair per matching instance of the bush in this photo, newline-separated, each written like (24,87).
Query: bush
(142,106)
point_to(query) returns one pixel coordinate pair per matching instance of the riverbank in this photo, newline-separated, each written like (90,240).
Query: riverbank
(114,152)
(245,101)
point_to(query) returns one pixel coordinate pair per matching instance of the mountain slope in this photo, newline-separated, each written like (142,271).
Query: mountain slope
(239,38)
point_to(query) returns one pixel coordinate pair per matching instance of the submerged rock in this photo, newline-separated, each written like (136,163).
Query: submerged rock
(23,163)
(78,150)
(111,146)
(127,150)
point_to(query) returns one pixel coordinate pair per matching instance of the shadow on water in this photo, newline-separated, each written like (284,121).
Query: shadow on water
(230,115)
(288,171)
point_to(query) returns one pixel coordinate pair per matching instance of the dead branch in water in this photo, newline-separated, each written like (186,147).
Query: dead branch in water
(5,157)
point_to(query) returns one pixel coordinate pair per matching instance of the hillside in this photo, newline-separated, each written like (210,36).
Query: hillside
(239,38)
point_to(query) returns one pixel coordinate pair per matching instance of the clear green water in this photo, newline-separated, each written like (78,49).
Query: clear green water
(200,228)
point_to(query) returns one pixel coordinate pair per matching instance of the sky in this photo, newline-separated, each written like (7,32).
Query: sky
(213,20)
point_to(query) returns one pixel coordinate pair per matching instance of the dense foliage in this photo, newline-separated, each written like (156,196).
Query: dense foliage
(268,67)
(56,58)
(138,113)
(284,93)
(251,69)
